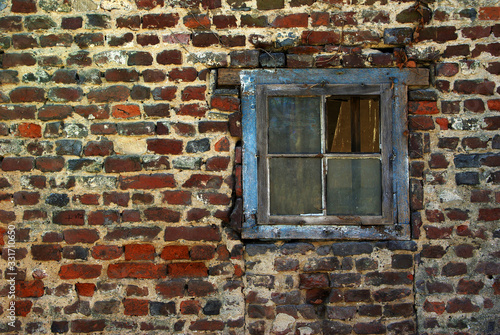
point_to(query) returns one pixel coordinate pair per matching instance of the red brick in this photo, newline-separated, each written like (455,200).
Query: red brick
(202,252)
(320,37)
(126,111)
(162,214)
(313,280)
(421,123)
(489,13)
(120,199)
(11,23)
(168,57)
(46,252)
(171,289)
(204,233)
(291,21)
(49,164)
(30,130)
(139,252)
(225,103)
(23,307)
(117,164)
(17,112)
(73,236)
(214,198)
(54,112)
(24,198)
(71,23)
(87,199)
(423,107)
(70,217)
(159,21)
(193,93)
(483,87)
(103,217)
(224,21)
(136,270)
(107,252)
(109,94)
(217,163)
(87,326)
(23,41)
(489,214)
(98,148)
(438,232)
(494,105)
(206,325)
(165,146)
(195,269)
(320,19)
(196,214)
(434,307)
(82,271)
(27,94)
(35,215)
(190,307)
(433,251)
(173,252)
(23,6)
(153,76)
(152,181)
(29,289)
(184,129)
(463,305)
(197,21)
(18,59)
(17,164)
(184,74)
(85,289)
(192,110)
(144,40)
(443,123)
(177,197)
(136,307)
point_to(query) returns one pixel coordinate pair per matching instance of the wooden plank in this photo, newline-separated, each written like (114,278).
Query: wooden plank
(262,146)
(386,101)
(228,77)
(410,76)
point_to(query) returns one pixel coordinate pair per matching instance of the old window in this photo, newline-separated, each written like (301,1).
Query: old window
(325,153)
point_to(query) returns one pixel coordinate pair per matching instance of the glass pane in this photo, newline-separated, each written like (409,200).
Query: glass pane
(353,124)
(354,187)
(294,125)
(295,186)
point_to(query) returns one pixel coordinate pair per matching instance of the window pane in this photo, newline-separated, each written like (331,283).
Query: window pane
(353,124)
(294,125)
(295,186)
(354,187)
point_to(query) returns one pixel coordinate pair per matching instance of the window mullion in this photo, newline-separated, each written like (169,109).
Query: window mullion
(324,168)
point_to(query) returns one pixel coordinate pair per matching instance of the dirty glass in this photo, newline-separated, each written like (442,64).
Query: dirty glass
(294,125)
(352,125)
(354,187)
(295,186)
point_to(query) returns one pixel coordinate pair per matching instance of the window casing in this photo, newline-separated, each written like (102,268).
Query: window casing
(274,207)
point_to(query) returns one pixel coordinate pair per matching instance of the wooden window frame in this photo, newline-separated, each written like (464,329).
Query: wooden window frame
(391,85)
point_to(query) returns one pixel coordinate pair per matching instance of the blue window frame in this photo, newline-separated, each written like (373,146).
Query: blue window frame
(390,88)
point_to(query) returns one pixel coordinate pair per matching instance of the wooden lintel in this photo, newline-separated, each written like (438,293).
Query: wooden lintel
(228,77)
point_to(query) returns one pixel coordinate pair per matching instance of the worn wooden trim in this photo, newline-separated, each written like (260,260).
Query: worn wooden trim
(314,90)
(409,76)
(319,232)
(385,106)
(401,161)
(327,220)
(262,161)
(399,155)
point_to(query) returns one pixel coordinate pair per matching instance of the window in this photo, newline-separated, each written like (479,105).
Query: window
(325,153)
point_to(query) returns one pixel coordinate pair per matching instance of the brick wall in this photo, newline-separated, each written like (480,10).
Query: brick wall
(121,165)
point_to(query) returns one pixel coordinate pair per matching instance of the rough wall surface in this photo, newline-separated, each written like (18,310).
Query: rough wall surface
(121,161)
